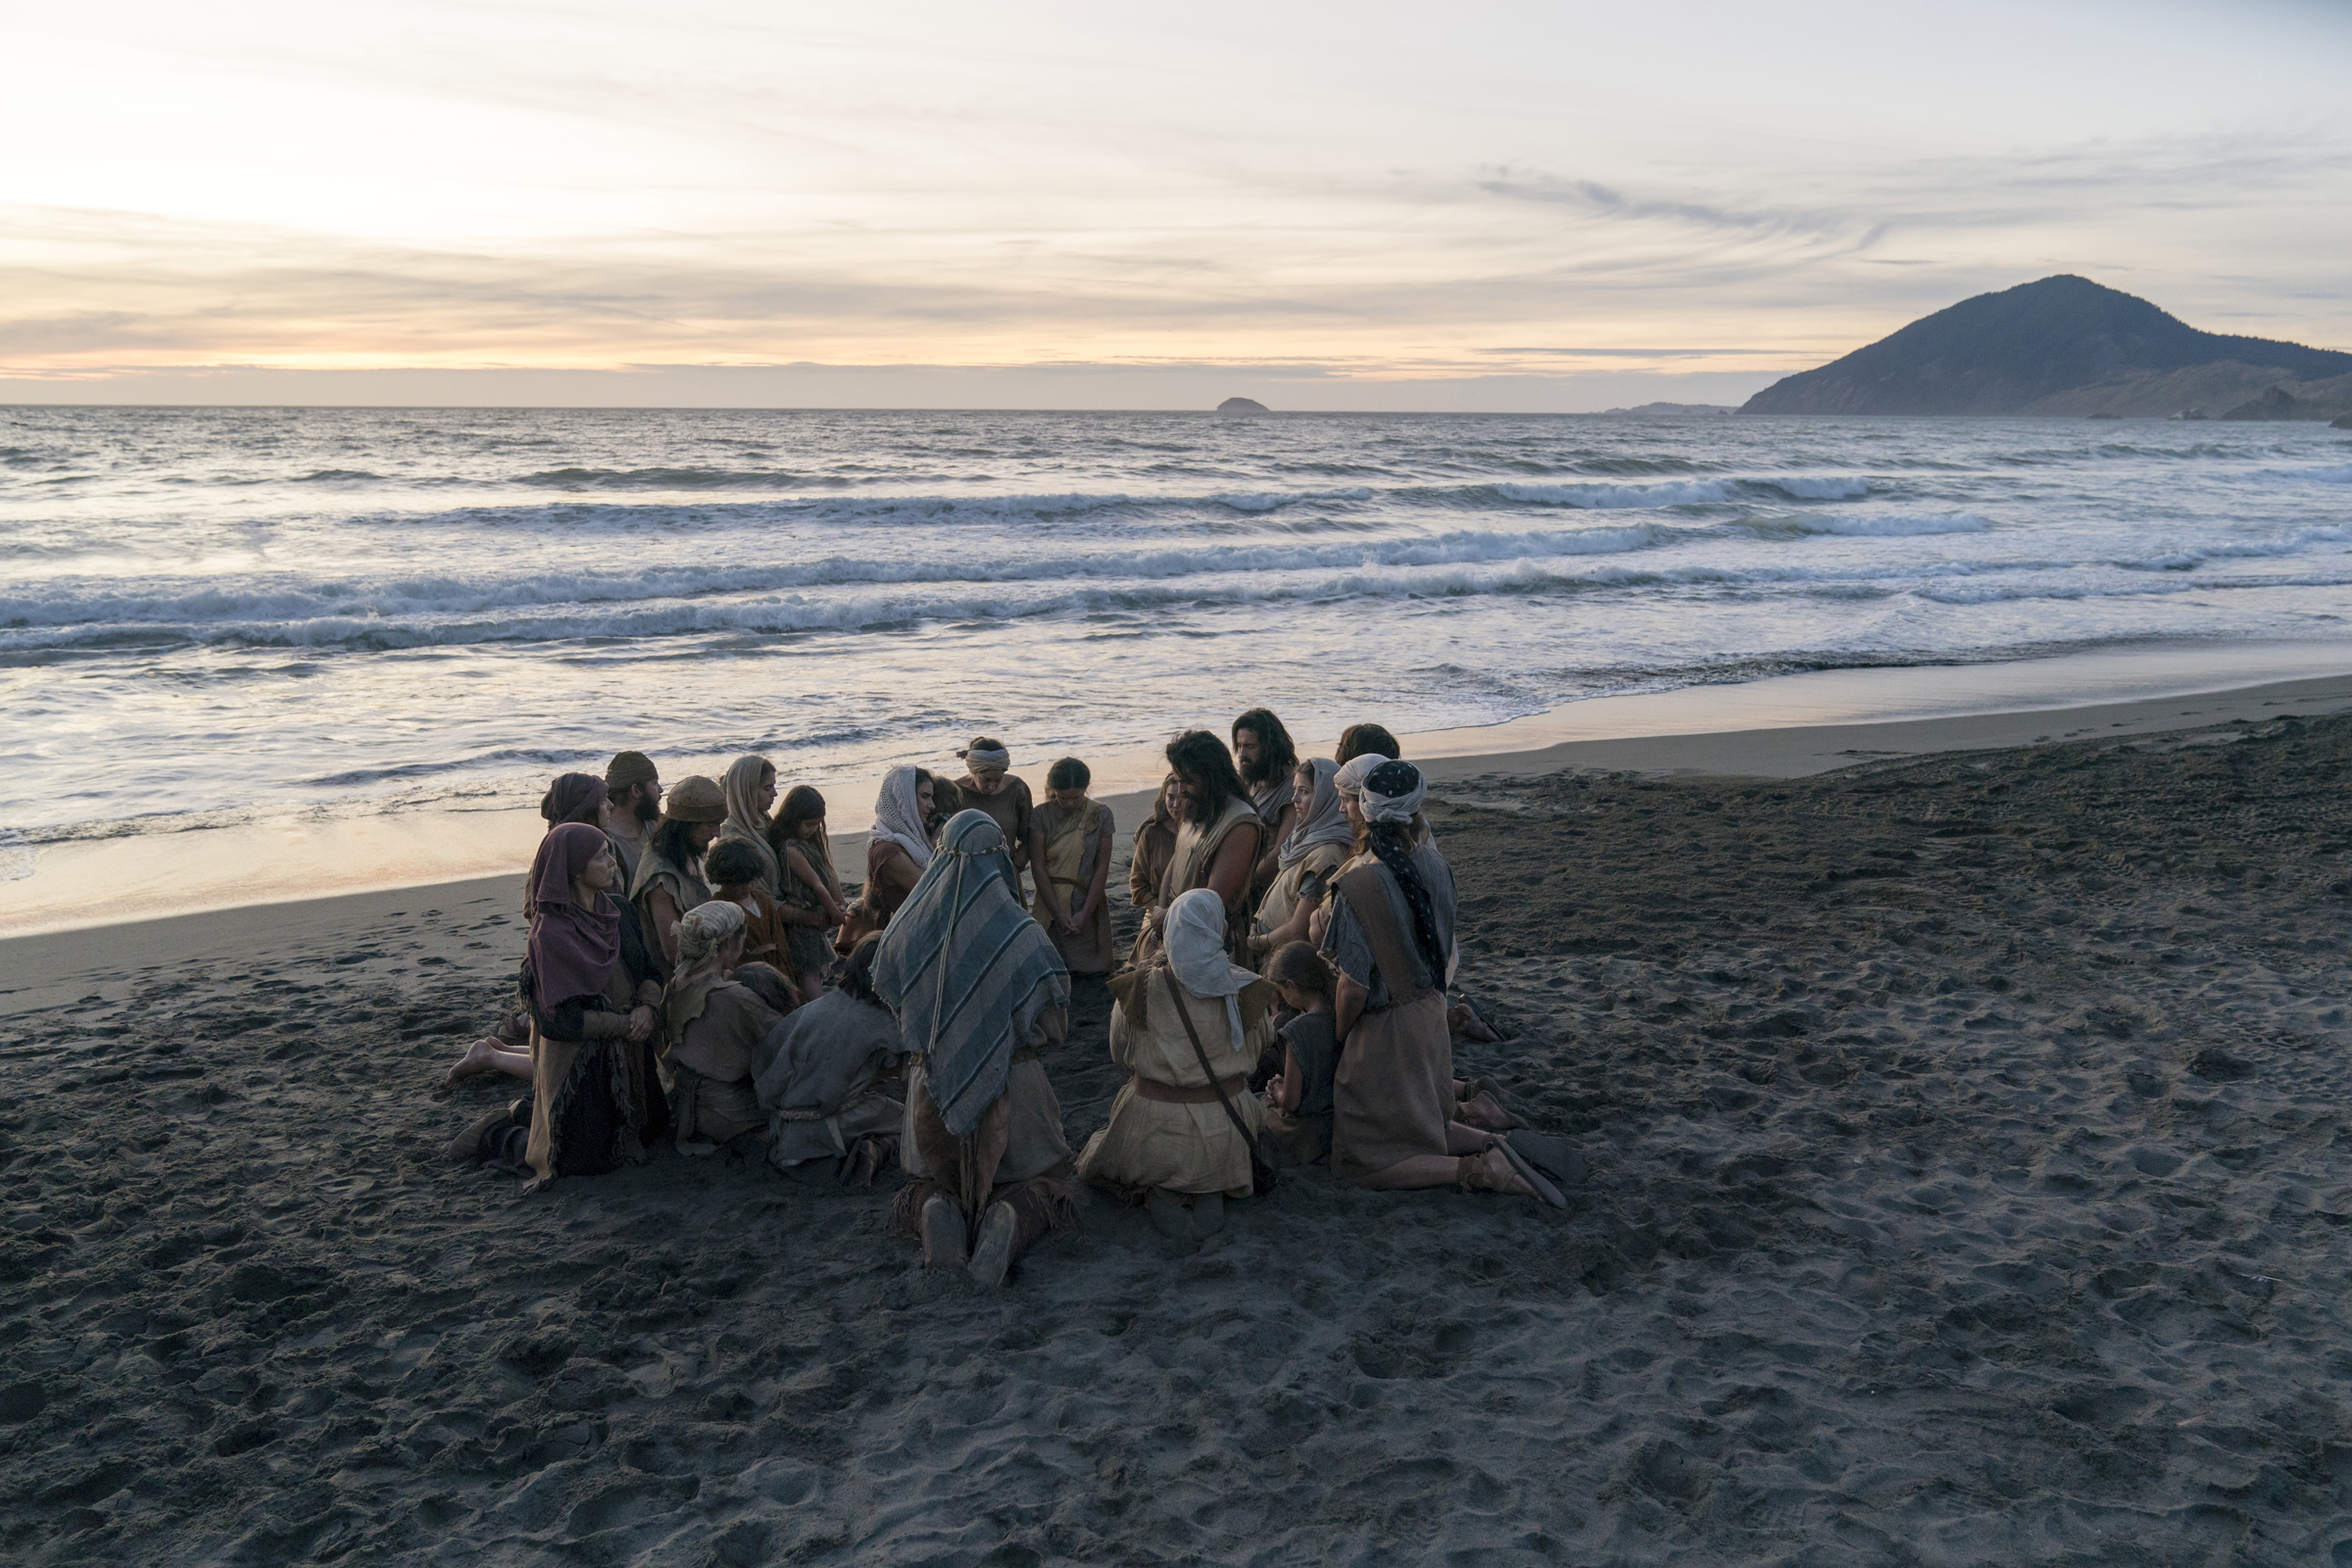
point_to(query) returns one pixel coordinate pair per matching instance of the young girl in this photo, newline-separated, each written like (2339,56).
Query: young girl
(734,868)
(812,900)
(1069,850)
(1298,1098)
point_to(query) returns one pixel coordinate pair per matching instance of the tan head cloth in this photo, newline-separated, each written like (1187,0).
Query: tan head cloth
(695,800)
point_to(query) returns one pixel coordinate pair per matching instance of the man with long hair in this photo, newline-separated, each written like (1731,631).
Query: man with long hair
(669,872)
(1267,760)
(1218,841)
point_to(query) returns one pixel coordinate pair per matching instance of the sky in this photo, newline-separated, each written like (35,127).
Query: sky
(1482,205)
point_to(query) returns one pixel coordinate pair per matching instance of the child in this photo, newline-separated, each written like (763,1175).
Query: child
(733,867)
(1298,1098)
(811,897)
(1070,856)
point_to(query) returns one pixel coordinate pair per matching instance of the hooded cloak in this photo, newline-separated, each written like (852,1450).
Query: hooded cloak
(967,970)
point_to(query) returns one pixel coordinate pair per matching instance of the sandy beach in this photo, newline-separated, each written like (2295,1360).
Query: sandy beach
(1963,1101)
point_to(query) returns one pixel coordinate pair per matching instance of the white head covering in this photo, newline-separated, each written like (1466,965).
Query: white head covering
(704,929)
(1195,944)
(1350,779)
(1411,790)
(998,756)
(703,932)
(899,816)
(1322,823)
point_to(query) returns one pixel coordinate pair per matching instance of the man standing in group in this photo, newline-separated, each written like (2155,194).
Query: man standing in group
(632,805)
(1268,760)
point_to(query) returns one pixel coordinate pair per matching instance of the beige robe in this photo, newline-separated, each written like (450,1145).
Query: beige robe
(1075,847)
(1166,1127)
(1196,851)
(1281,894)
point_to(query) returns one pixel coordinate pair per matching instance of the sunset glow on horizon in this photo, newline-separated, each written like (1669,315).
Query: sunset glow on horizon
(1573,198)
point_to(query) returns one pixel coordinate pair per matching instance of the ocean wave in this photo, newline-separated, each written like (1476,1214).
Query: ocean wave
(1985,593)
(72,603)
(2190,556)
(1595,496)
(1882,526)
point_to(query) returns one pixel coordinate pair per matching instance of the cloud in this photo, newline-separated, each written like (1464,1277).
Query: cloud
(577,185)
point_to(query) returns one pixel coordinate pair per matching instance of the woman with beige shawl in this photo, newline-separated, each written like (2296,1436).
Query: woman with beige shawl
(750,786)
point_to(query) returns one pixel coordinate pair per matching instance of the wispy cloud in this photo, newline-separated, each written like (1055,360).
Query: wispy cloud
(406,183)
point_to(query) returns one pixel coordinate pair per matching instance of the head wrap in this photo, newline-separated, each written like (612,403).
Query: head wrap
(704,929)
(745,821)
(899,816)
(627,771)
(1350,779)
(967,970)
(1195,942)
(1392,792)
(1322,823)
(1390,795)
(703,933)
(571,949)
(572,798)
(997,756)
(696,799)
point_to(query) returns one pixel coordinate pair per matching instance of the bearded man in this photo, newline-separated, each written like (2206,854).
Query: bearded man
(632,805)
(1267,758)
(1218,841)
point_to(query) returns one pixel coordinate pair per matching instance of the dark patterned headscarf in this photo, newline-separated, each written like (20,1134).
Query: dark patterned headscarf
(1390,800)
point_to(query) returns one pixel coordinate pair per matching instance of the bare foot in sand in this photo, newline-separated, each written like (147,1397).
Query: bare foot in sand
(1462,1020)
(487,1055)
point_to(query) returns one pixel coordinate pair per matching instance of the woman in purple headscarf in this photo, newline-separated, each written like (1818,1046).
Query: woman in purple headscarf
(593,991)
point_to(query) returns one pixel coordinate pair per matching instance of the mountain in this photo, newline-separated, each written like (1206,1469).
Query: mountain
(1235,407)
(2061,346)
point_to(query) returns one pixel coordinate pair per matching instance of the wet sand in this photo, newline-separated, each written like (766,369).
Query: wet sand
(1968,1185)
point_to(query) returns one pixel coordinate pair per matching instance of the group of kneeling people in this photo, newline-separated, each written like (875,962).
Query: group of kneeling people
(638,1035)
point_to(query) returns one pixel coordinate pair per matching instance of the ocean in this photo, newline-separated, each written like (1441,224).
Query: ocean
(220,615)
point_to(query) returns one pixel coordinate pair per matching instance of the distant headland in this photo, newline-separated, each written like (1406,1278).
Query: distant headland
(2068,346)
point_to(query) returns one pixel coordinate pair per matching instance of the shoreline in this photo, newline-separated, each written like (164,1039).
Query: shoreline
(42,965)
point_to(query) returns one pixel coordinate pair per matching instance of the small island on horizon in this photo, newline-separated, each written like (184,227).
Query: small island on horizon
(2067,346)
(1241,407)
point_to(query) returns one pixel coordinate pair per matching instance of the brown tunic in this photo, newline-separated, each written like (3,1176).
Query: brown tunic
(710,1066)
(1011,809)
(1392,1092)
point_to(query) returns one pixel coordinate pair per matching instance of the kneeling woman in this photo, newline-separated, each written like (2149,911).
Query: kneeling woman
(978,989)
(1390,938)
(715,1023)
(592,987)
(1188,1030)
